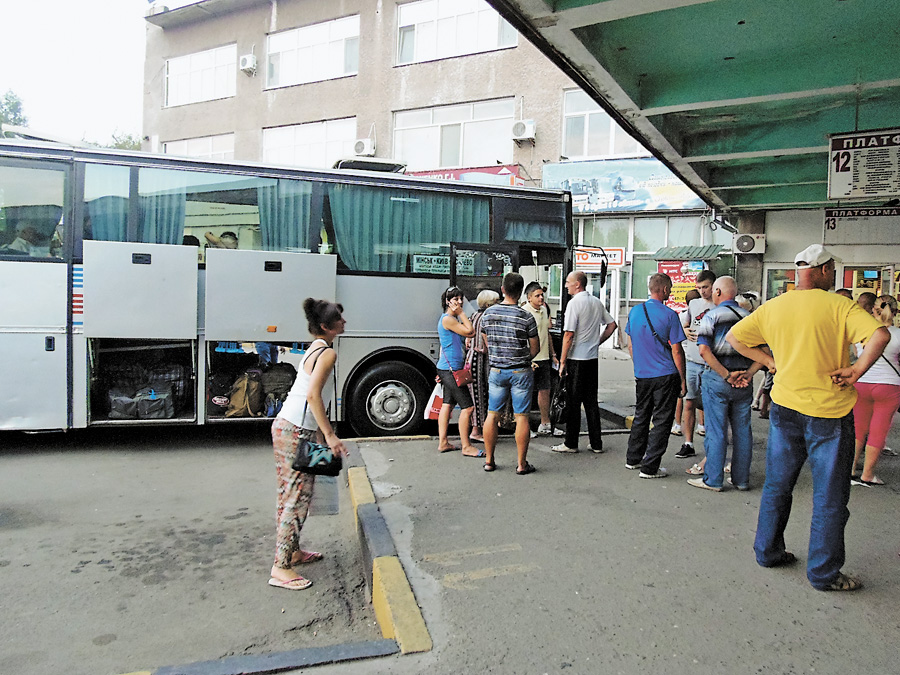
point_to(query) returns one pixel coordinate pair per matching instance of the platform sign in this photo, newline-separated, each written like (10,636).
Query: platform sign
(590,258)
(874,225)
(864,165)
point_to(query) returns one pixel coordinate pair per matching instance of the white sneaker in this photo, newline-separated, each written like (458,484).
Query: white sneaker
(701,430)
(660,473)
(532,434)
(676,430)
(562,447)
(544,430)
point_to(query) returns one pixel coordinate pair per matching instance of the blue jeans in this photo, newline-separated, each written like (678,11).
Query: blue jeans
(515,382)
(828,443)
(724,405)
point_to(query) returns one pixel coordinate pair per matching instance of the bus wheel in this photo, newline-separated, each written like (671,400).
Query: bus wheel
(389,400)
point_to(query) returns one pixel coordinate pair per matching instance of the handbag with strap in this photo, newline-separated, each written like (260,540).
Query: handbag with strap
(315,458)
(666,347)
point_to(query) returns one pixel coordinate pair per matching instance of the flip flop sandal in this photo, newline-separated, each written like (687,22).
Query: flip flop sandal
(480,453)
(490,466)
(694,470)
(307,557)
(527,470)
(844,583)
(295,584)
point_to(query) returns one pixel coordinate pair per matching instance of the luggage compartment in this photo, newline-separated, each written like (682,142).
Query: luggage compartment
(142,381)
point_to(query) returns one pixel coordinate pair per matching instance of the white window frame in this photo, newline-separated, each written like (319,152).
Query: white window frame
(615,132)
(506,157)
(441,29)
(327,134)
(218,147)
(312,53)
(202,76)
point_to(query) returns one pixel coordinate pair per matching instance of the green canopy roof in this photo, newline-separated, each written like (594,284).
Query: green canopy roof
(737,97)
(710,252)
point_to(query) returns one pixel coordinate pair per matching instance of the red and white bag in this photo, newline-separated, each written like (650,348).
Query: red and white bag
(433,409)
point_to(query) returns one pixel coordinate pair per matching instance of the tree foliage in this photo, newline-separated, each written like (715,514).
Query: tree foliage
(125,141)
(11,110)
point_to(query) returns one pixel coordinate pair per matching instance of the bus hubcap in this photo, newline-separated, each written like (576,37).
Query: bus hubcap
(390,405)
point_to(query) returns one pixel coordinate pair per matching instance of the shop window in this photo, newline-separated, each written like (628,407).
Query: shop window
(685,231)
(606,232)
(31,212)
(641,269)
(649,234)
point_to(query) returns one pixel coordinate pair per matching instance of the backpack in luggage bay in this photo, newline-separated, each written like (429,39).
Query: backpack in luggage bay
(155,403)
(218,393)
(277,380)
(246,397)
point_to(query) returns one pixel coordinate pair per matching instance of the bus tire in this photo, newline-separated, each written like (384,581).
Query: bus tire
(389,400)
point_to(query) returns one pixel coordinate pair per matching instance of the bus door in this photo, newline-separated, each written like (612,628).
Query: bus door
(34,302)
(140,319)
(254,305)
(478,267)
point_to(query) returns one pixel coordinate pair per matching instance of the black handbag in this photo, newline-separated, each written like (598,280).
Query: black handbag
(558,404)
(315,458)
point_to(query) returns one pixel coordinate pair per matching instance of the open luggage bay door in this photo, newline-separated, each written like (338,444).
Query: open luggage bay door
(258,295)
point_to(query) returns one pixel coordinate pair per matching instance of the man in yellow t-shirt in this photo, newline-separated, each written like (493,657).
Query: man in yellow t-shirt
(809,331)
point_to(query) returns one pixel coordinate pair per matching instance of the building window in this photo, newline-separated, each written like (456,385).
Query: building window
(469,134)
(589,132)
(315,145)
(439,29)
(205,147)
(323,51)
(204,76)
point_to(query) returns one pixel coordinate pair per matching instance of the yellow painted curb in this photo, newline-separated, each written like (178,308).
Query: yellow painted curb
(396,609)
(360,488)
(140,672)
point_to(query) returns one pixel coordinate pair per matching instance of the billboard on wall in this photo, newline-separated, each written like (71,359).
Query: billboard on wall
(683,274)
(640,184)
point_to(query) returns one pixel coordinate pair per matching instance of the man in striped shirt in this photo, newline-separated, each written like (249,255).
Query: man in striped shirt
(512,339)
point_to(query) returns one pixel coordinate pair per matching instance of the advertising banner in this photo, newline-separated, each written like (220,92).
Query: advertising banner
(641,184)
(504,174)
(683,274)
(590,259)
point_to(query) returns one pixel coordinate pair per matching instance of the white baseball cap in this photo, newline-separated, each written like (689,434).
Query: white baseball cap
(813,256)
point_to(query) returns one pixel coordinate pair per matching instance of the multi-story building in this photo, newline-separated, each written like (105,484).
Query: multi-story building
(446,87)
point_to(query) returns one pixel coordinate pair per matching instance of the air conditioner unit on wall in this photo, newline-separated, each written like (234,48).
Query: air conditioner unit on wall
(748,243)
(523,130)
(364,147)
(247,64)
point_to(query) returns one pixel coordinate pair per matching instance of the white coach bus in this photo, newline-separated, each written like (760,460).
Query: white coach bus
(138,289)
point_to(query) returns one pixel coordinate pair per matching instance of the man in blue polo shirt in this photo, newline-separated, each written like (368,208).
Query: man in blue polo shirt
(655,346)
(727,393)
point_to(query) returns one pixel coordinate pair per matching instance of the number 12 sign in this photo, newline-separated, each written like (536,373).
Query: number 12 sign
(864,164)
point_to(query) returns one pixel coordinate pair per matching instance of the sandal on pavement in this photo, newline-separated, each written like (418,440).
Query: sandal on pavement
(695,470)
(527,470)
(478,452)
(889,452)
(295,584)
(306,557)
(451,448)
(843,583)
(490,466)
(868,483)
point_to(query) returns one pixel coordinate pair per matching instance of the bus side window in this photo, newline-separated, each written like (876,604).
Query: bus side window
(31,212)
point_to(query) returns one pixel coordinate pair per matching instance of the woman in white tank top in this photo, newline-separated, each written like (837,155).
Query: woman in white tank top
(309,392)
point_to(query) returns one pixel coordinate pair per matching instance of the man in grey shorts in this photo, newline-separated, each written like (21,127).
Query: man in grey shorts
(695,365)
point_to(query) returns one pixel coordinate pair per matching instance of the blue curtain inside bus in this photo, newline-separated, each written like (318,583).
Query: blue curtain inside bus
(108,219)
(380,230)
(284,214)
(162,217)
(532,231)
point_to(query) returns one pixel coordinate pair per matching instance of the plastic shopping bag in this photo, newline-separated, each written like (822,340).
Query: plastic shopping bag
(433,409)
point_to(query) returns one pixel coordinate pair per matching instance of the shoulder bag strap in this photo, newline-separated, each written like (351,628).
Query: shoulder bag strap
(735,312)
(891,365)
(653,330)
(318,353)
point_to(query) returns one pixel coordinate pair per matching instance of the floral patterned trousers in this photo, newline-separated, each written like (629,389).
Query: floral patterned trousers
(295,489)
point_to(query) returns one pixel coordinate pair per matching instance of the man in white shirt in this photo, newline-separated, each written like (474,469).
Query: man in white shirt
(587,325)
(695,364)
